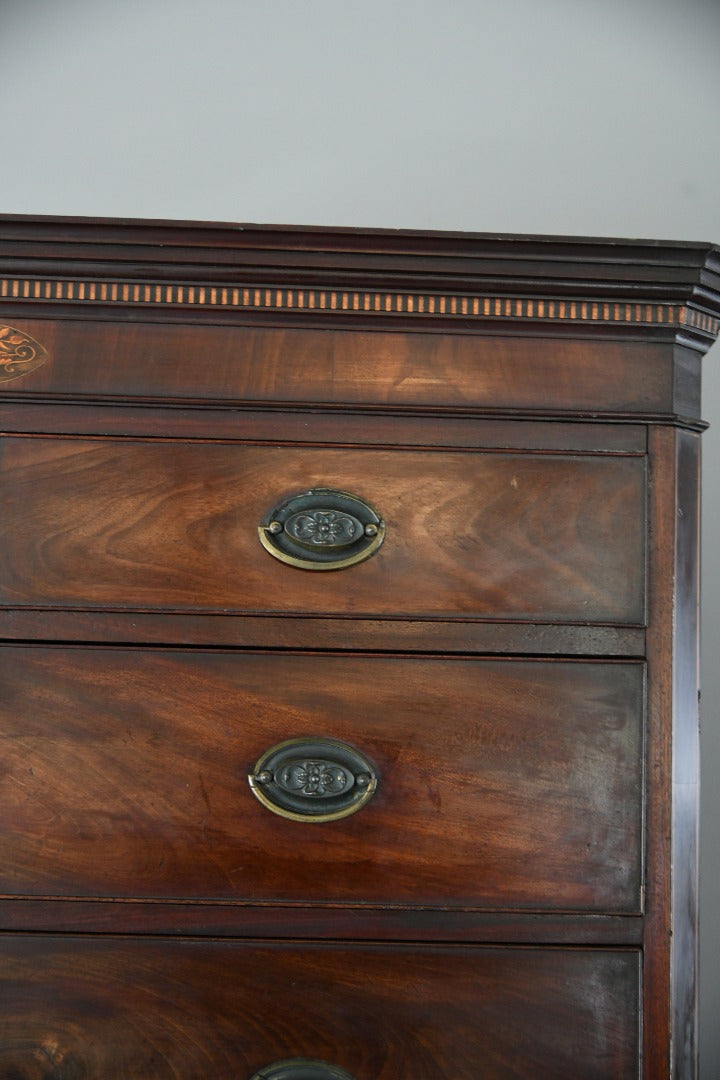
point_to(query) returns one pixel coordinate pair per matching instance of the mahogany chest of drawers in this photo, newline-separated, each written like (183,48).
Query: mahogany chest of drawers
(348,648)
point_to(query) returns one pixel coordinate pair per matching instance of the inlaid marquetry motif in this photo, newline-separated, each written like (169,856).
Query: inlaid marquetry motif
(19,353)
(358,303)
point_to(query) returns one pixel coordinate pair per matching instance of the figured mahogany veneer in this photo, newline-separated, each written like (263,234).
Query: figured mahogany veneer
(516,662)
(116,1009)
(146,785)
(167,525)
(340,368)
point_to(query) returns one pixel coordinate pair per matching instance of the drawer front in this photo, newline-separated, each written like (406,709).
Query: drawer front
(184,1010)
(501,783)
(162,525)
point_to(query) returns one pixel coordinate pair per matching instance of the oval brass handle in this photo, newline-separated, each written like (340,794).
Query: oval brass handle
(301,1069)
(322,529)
(313,779)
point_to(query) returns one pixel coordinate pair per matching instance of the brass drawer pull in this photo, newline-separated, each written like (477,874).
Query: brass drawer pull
(301,1069)
(322,529)
(313,779)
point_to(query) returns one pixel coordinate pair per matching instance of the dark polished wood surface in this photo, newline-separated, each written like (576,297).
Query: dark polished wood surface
(517,660)
(319,426)
(462,636)
(503,784)
(673,746)
(91,360)
(94,523)
(122,1010)
(334,922)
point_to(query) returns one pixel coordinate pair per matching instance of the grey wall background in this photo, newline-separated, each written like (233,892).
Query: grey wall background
(566,116)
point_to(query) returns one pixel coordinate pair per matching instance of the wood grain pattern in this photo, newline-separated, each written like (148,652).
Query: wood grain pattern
(391,922)
(510,405)
(154,525)
(316,426)
(186,1010)
(258,364)
(686,759)
(658,1010)
(673,745)
(502,784)
(465,636)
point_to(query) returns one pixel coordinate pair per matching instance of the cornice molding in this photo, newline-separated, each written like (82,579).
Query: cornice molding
(130,269)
